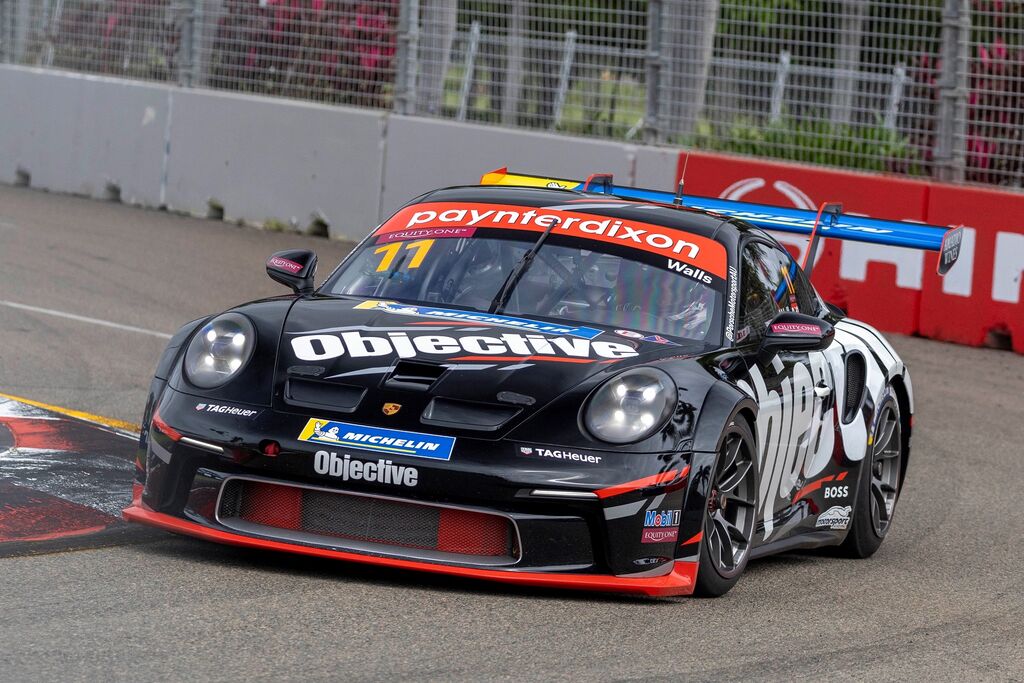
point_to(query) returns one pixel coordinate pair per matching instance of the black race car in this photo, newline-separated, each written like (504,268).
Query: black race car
(544,382)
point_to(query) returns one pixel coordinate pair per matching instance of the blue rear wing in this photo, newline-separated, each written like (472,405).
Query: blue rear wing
(829,221)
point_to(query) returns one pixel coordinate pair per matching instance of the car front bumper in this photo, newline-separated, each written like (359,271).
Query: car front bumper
(566,526)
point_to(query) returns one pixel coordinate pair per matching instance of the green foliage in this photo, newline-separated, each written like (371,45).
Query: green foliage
(816,141)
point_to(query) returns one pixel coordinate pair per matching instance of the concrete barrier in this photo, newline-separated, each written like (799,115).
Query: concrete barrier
(424,154)
(262,159)
(85,135)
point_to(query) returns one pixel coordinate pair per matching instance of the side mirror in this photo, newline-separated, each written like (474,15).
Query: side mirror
(790,331)
(294,268)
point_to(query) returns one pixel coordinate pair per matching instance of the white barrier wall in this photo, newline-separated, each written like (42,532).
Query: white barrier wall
(77,133)
(263,159)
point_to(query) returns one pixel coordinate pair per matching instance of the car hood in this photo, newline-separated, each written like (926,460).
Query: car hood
(399,352)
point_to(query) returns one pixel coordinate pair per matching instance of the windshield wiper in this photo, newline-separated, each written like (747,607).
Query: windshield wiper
(502,297)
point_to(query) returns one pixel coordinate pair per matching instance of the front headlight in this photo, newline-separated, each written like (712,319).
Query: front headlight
(219,350)
(630,406)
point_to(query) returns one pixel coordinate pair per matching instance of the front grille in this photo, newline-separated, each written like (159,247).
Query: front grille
(367,523)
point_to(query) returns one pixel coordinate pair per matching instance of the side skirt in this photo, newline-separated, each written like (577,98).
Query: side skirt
(811,539)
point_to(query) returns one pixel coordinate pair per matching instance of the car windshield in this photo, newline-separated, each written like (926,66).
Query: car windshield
(570,279)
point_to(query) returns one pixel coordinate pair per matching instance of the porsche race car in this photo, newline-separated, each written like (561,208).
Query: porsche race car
(545,382)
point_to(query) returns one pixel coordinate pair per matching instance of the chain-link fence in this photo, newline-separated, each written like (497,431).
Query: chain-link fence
(922,87)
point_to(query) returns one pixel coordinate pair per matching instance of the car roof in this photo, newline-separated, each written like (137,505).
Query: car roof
(693,221)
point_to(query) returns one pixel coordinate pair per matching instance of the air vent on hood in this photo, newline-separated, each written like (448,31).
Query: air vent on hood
(413,375)
(449,412)
(343,398)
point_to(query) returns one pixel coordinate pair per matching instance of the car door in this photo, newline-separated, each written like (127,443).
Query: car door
(794,389)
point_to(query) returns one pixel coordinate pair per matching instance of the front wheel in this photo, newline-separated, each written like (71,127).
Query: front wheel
(729,515)
(879,485)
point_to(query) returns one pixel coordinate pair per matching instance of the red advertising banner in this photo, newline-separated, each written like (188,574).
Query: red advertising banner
(982,294)
(894,289)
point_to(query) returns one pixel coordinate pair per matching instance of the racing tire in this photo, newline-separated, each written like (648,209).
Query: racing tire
(879,486)
(729,517)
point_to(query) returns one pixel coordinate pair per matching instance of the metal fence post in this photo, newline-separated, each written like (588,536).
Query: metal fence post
(779,87)
(469,70)
(652,118)
(951,127)
(4,23)
(514,54)
(568,57)
(852,15)
(187,49)
(21,20)
(407,45)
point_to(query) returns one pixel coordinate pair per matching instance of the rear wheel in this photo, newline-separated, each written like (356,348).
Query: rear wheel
(879,485)
(729,515)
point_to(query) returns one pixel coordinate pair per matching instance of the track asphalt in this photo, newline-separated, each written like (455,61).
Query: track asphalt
(942,599)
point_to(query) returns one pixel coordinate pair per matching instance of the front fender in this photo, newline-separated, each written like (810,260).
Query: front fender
(721,405)
(174,347)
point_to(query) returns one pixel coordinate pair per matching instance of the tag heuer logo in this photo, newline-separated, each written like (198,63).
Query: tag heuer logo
(525,451)
(391,408)
(200,406)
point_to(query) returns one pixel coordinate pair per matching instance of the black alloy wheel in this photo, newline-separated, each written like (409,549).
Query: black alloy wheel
(729,520)
(880,483)
(886,460)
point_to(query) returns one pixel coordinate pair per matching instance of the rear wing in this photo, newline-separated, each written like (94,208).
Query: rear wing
(829,221)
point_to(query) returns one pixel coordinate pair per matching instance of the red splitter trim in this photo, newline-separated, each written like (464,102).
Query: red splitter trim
(678,582)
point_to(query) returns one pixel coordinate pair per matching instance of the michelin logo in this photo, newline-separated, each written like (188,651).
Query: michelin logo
(485,318)
(836,517)
(412,444)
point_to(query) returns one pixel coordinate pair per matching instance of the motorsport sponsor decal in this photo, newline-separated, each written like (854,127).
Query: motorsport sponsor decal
(506,346)
(413,444)
(836,517)
(381,472)
(730,316)
(655,338)
(425,233)
(660,535)
(837,491)
(649,561)
(658,339)
(795,328)
(693,273)
(226,410)
(660,526)
(558,454)
(660,518)
(699,252)
(284,264)
(794,428)
(475,317)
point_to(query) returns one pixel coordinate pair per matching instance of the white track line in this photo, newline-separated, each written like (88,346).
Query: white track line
(84,319)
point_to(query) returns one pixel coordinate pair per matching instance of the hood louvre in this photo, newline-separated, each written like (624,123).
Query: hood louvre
(452,413)
(414,375)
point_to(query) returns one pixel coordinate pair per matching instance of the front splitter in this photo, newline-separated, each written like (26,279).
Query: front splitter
(680,581)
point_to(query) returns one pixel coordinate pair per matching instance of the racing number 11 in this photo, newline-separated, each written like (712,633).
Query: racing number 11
(421,247)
